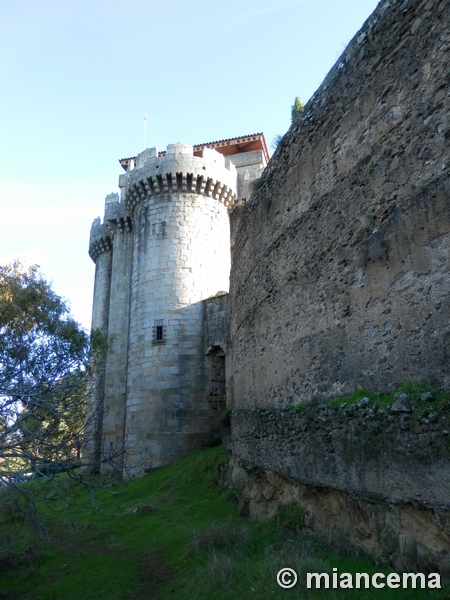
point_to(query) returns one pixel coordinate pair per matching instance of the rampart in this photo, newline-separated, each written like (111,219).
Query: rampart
(340,281)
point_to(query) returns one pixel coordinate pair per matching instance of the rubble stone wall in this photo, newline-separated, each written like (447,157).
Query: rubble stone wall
(340,281)
(340,261)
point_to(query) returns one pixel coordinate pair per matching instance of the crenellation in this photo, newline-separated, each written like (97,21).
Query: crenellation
(143,157)
(178,168)
(111,199)
(117,217)
(100,239)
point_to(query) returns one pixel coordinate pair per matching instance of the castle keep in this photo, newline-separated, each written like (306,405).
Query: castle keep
(162,256)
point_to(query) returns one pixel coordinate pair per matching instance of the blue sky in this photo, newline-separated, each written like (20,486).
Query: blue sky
(78,77)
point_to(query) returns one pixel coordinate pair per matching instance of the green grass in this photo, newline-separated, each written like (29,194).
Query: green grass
(440,400)
(176,534)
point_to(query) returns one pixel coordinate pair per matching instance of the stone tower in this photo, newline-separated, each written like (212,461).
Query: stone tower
(162,258)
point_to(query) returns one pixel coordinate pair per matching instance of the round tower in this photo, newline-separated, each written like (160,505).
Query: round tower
(180,256)
(100,250)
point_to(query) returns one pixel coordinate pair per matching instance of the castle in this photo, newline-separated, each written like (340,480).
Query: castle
(162,257)
(340,264)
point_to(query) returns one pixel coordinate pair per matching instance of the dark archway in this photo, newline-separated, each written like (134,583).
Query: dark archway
(216,385)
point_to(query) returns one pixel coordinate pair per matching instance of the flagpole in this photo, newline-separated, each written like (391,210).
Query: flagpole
(145,132)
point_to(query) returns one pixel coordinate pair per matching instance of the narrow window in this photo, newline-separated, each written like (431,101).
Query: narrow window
(158,332)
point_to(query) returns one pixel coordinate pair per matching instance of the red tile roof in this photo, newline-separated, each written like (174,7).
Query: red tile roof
(246,143)
(237,145)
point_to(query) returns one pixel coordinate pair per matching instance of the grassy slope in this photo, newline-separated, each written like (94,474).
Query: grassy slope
(175,534)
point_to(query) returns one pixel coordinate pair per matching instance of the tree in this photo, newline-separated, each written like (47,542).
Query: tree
(44,356)
(46,363)
(276,141)
(296,108)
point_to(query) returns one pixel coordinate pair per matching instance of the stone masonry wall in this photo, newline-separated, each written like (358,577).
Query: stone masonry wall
(215,322)
(116,364)
(167,412)
(373,480)
(215,334)
(340,260)
(340,281)
(364,450)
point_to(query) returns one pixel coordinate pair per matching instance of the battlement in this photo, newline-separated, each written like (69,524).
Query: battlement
(116,215)
(116,219)
(99,240)
(179,171)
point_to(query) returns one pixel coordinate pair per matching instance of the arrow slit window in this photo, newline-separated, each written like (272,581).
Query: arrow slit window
(159,332)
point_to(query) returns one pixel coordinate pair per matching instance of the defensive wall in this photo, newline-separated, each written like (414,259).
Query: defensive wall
(340,281)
